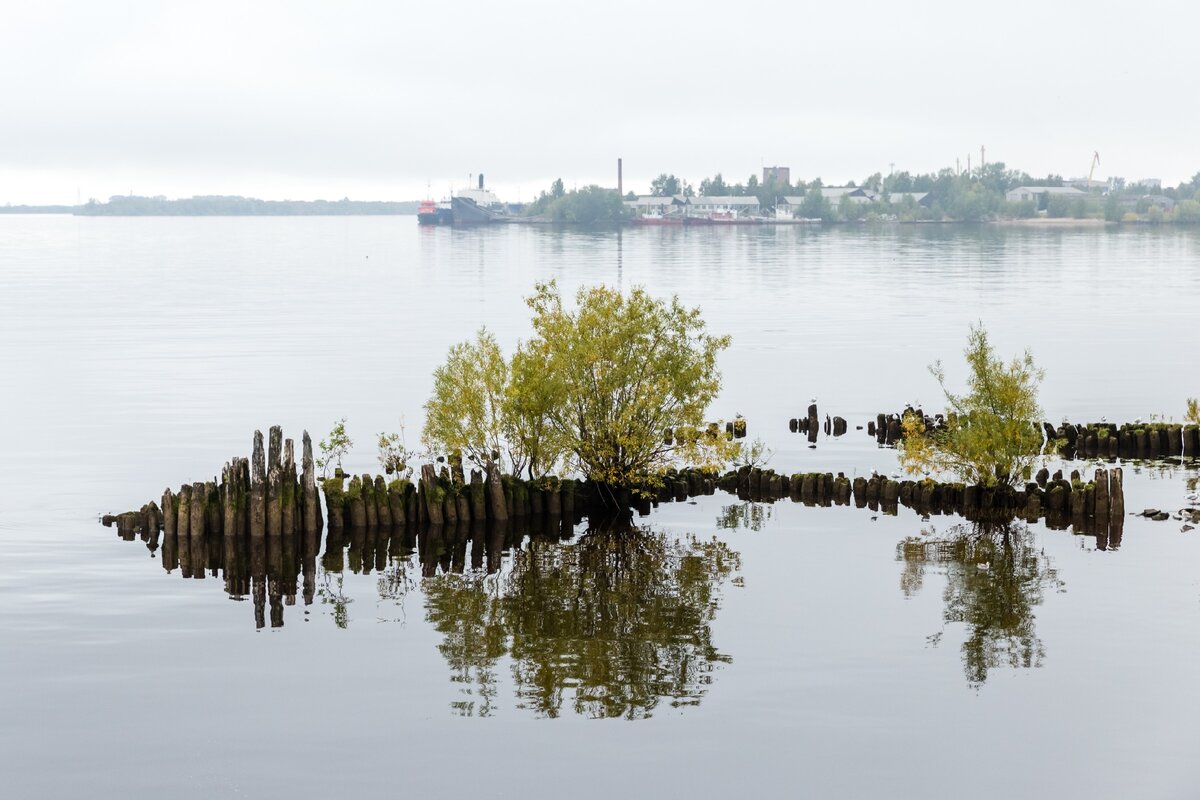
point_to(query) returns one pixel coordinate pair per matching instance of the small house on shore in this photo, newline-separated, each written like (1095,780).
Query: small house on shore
(659,206)
(1042,194)
(857,194)
(922,199)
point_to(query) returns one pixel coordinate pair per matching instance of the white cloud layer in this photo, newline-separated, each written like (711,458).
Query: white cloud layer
(378,100)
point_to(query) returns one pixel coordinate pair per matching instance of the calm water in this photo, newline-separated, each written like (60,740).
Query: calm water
(729,648)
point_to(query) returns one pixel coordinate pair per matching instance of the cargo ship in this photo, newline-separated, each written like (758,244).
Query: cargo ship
(473,206)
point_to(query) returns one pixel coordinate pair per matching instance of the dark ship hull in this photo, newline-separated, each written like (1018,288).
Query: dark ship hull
(467,212)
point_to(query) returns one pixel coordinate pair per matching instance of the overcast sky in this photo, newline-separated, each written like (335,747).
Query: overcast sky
(378,100)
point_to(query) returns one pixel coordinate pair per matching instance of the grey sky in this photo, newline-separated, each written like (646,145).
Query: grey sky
(375,100)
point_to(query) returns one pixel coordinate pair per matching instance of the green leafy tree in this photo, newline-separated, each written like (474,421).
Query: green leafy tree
(465,413)
(591,205)
(815,205)
(617,371)
(991,436)
(557,189)
(665,186)
(1193,411)
(714,186)
(528,401)
(334,448)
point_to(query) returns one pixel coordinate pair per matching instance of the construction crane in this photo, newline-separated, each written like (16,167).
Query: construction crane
(1092,171)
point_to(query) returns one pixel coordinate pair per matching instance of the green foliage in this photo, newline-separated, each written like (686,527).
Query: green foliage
(1112,208)
(335,447)
(1058,206)
(665,186)
(466,410)
(591,205)
(1188,211)
(618,370)
(991,436)
(1193,411)
(714,186)
(756,454)
(393,454)
(815,205)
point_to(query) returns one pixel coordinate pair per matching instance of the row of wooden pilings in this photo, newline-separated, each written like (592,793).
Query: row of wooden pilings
(810,424)
(448,498)
(1061,502)
(265,496)
(258,496)
(1131,440)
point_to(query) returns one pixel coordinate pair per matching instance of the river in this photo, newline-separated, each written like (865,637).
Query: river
(732,648)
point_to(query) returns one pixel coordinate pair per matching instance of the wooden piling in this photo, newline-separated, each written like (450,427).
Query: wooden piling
(1101,504)
(433,495)
(274,508)
(258,488)
(196,508)
(169,511)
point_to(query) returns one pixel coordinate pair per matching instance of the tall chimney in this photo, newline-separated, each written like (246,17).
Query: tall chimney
(620,183)
(481,180)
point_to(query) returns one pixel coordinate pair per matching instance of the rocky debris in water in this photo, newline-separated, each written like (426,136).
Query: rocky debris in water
(1150,512)
(1187,528)
(1161,516)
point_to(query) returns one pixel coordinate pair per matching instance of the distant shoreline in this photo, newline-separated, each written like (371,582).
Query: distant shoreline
(221,206)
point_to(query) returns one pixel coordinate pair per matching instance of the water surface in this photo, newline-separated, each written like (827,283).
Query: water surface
(722,647)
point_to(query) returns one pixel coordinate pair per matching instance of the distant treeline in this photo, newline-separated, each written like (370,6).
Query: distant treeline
(219,206)
(976,195)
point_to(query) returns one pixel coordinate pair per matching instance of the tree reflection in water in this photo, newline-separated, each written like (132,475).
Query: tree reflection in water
(608,625)
(995,577)
(749,515)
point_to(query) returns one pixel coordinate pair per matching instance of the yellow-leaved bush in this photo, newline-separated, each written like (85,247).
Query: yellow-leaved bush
(592,391)
(991,436)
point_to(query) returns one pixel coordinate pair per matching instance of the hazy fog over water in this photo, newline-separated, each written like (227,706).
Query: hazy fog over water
(380,100)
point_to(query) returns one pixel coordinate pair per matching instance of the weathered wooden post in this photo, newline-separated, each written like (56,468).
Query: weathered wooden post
(497,506)
(258,488)
(229,523)
(1100,501)
(354,502)
(197,508)
(367,488)
(478,494)
(311,512)
(1116,495)
(396,491)
(434,495)
(274,509)
(383,507)
(213,518)
(169,511)
(183,507)
(287,489)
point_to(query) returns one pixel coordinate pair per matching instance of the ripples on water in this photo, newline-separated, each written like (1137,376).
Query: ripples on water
(769,645)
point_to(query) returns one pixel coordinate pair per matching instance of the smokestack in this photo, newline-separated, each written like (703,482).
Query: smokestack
(481,180)
(620,183)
